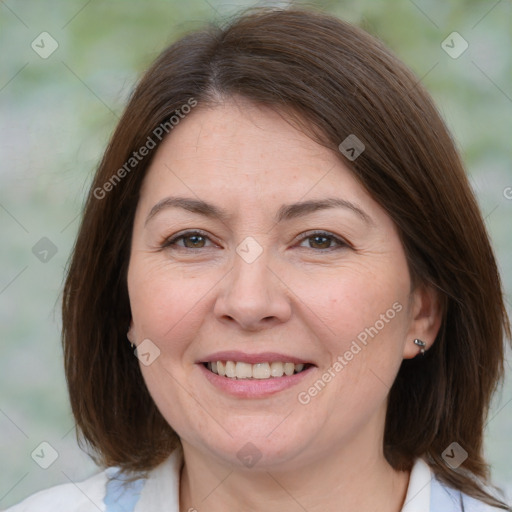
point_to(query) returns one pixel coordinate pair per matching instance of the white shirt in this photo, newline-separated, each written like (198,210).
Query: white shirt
(160,492)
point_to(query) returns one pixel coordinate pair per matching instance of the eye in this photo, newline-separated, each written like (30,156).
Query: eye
(191,240)
(322,240)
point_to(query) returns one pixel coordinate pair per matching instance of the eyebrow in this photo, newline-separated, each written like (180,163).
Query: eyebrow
(286,211)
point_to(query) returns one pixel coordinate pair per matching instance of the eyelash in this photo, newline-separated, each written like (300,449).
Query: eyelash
(169,242)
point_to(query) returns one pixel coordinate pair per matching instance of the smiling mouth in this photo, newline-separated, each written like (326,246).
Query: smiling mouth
(241,370)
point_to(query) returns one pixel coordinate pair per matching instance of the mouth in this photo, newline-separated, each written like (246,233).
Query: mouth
(240,370)
(245,375)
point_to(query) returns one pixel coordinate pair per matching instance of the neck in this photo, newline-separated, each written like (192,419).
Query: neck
(343,480)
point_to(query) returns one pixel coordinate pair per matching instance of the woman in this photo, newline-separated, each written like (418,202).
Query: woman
(282,233)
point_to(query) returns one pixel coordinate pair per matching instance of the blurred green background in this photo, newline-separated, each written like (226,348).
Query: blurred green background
(56,116)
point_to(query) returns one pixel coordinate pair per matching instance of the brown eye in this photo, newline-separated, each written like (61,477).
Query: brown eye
(191,240)
(196,241)
(320,242)
(324,241)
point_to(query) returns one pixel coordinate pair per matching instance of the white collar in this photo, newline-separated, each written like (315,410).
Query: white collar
(162,488)
(417,498)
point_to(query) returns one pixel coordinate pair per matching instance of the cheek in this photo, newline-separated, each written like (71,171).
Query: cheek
(169,306)
(168,309)
(354,301)
(362,320)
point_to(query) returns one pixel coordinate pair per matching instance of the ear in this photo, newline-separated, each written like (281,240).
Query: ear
(131,334)
(426,316)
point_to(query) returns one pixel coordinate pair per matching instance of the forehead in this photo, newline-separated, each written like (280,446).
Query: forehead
(238,144)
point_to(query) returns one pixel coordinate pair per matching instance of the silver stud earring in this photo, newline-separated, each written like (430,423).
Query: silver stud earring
(420,344)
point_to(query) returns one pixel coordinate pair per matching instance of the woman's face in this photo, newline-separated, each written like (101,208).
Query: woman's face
(255,251)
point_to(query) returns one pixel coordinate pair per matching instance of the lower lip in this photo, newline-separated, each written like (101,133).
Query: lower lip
(254,388)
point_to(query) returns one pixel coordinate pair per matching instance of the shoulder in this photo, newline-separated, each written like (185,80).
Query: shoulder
(112,490)
(446,499)
(85,496)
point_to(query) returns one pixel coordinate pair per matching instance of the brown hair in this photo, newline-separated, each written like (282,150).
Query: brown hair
(338,81)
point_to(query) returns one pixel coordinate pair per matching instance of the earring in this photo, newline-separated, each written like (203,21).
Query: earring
(420,344)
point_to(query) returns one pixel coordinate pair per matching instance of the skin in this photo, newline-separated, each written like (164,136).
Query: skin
(303,296)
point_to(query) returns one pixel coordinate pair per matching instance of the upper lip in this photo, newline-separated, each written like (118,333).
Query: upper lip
(261,357)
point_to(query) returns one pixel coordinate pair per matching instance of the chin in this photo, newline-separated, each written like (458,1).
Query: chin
(261,446)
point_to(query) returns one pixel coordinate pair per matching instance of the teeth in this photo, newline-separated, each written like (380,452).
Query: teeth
(261,371)
(240,370)
(230,369)
(243,370)
(276,369)
(289,368)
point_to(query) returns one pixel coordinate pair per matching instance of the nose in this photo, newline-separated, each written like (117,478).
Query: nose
(253,296)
